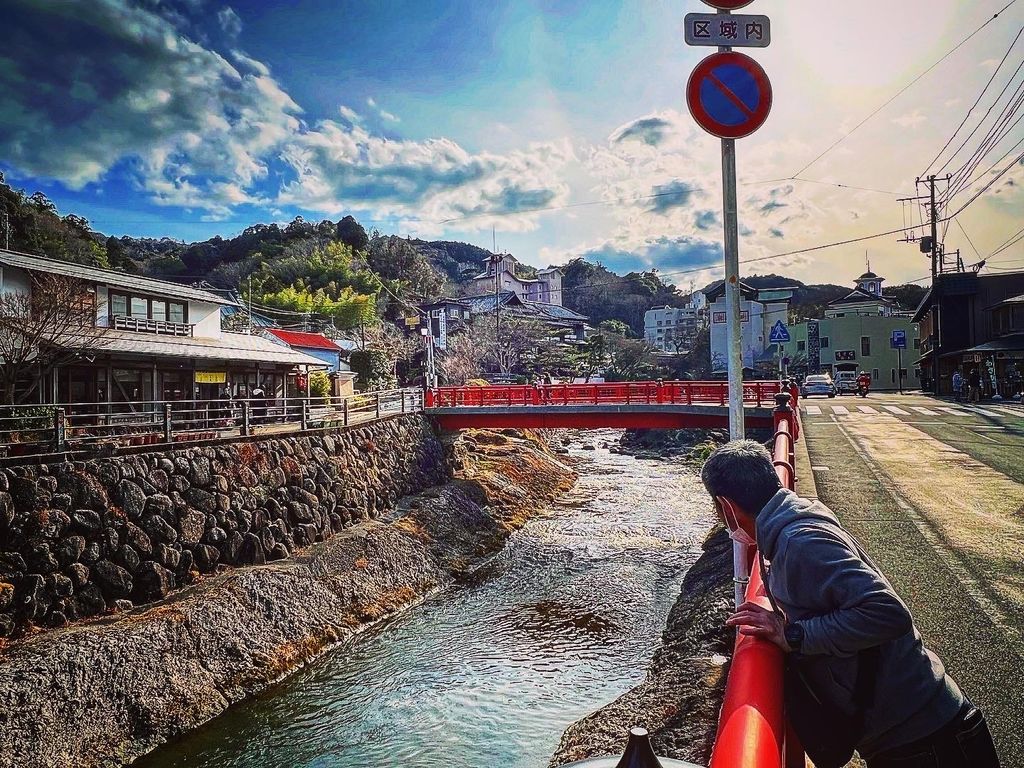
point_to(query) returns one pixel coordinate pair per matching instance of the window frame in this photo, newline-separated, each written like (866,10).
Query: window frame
(865,346)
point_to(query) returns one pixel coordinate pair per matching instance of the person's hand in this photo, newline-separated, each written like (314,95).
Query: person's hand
(754,620)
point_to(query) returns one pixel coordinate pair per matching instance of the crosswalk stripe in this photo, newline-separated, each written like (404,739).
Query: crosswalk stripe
(866,409)
(923,411)
(1009,411)
(955,411)
(985,412)
(896,410)
(840,410)
(812,410)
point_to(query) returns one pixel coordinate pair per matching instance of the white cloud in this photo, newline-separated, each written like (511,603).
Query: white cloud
(911,119)
(229,21)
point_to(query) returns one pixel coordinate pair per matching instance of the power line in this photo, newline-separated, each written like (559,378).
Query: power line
(976,253)
(971,110)
(904,89)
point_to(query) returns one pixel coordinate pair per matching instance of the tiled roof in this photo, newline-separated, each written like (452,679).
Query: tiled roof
(107,277)
(304,340)
(230,346)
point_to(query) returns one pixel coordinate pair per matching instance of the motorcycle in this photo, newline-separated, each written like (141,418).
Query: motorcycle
(862,390)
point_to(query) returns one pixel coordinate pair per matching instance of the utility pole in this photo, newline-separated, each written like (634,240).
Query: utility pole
(936,255)
(250,304)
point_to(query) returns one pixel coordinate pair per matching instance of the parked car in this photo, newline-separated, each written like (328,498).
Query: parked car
(819,384)
(846,382)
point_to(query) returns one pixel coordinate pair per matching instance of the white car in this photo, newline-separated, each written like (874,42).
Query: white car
(846,382)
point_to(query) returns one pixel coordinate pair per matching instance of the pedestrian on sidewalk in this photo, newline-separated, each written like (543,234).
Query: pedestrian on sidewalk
(974,381)
(857,673)
(958,386)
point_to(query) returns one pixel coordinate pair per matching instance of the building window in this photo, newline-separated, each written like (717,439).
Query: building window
(801,346)
(874,374)
(893,375)
(176,312)
(118,304)
(140,308)
(159,309)
(917,343)
(865,346)
(824,342)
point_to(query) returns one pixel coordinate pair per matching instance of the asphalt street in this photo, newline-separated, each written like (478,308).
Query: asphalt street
(964,619)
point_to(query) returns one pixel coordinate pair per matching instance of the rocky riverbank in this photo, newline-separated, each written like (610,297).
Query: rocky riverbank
(680,699)
(105,691)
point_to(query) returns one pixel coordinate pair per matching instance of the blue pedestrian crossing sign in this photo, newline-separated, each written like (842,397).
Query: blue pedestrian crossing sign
(898,340)
(779,334)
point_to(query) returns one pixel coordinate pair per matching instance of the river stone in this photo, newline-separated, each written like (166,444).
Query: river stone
(90,600)
(133,498)
(89,493)
(6,510)
(159,480)
(206,557)
(60,584)
(114,579)
(92,552)
(138,539)
(169,557)
(278,552)
(159,504)
(159,529)
(35,602)
(192,526)
(39,558)
(120,606)
(70,549)
(86,520)
(186,562)
(202,500)
(6,595)
(153,581)
(200,472)
(78,573)
(127,558)
(252,552)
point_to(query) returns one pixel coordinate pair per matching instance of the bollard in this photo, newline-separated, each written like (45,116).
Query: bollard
(168,437)
(639,754)
(246,419)
(59,429)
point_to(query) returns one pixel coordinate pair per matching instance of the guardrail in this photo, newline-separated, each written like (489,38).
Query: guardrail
(85,427)
(620,393)
(752,729)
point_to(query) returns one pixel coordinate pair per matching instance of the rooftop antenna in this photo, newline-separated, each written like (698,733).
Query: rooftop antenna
(867,260)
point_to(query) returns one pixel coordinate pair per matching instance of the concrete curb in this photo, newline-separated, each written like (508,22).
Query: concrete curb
(805,485)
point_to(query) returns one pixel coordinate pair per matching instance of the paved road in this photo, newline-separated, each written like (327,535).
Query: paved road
(963,617)
(992,433)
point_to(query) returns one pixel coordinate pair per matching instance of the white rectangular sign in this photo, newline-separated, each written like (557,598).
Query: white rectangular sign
(727,29)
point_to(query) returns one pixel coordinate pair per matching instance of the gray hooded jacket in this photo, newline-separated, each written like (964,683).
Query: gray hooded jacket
(823,581)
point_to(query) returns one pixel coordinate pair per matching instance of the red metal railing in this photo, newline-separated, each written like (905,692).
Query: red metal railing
(752,729)
(757,393)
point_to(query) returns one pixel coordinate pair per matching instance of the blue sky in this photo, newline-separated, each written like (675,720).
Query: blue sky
(450,119)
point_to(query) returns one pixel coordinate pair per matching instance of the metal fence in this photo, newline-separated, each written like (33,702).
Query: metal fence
(93,427)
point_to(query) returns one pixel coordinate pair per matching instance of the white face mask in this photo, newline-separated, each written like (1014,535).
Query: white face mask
(736,532)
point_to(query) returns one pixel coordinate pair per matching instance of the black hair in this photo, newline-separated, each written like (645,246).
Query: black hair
(742,471)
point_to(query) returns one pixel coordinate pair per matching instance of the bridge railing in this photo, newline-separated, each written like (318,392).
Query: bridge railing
(752,729)
(756,393)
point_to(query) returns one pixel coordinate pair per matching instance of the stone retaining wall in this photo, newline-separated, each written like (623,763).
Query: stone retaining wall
(85,538)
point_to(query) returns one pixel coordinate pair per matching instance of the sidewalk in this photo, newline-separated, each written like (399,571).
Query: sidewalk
(948,532)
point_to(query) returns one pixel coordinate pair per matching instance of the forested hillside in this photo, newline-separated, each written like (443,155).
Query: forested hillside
(337,273)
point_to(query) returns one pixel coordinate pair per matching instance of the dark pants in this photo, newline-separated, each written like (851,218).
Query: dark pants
(965,742)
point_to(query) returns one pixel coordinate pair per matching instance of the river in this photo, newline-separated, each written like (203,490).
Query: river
(490,672)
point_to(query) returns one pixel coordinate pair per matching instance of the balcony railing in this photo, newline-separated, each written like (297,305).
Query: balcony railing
(145,325)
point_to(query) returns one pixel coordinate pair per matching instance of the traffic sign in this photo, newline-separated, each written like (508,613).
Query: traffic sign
(898,340)
(729,95)
(727,5)
(717,29)
(779,334)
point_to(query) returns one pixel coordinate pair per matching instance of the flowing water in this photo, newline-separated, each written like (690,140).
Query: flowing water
(562,621)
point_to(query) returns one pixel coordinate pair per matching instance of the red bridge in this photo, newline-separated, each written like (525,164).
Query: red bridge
(635,404)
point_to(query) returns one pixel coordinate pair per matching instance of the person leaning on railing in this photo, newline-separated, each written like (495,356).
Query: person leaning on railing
(857,673)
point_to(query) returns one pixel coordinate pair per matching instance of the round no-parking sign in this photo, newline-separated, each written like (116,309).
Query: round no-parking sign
(727,5)
(729,95)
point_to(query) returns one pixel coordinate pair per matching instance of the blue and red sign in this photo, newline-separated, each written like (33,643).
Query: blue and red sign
(729,95)
(727,5)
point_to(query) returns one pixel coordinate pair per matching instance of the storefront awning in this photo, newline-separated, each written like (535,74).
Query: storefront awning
(1014,342)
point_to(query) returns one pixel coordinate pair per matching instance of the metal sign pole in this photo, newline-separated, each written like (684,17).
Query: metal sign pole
(732,290)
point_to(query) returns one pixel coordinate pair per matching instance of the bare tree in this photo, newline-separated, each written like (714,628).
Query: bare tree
(517,341)
(49,326)
(463,359)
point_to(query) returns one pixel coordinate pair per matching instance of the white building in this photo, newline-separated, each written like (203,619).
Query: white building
(150,340)
(671,329)
(546,288)
(759,311)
